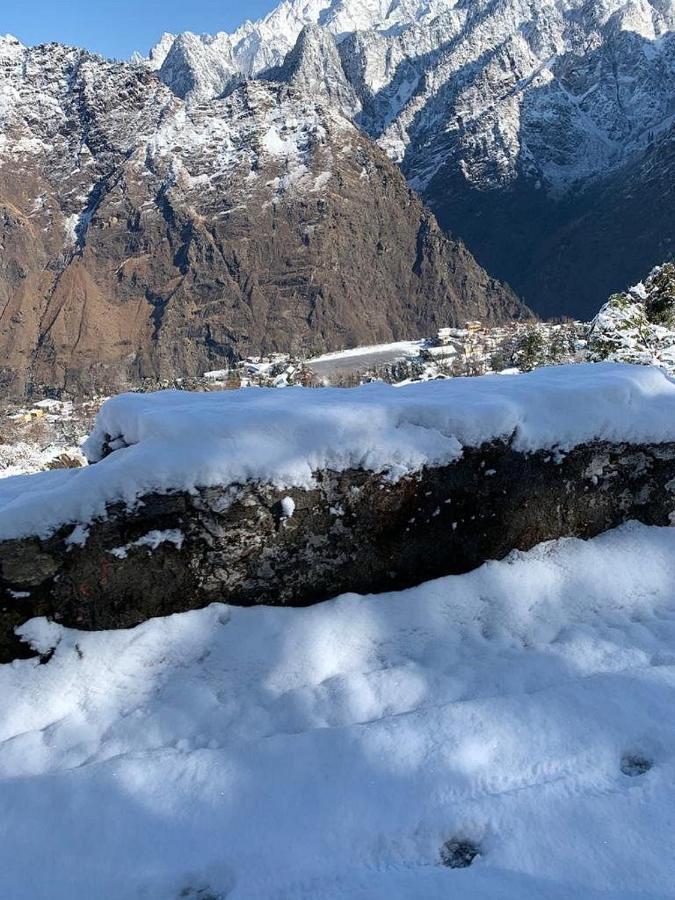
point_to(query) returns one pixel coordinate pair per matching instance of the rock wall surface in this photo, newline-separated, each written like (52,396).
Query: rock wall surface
(354,531)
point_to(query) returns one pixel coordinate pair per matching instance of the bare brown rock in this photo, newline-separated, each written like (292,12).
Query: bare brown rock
(148,238)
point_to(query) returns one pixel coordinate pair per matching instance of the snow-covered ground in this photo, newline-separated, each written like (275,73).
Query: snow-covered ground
(329,753)
(24,457)
(360,358)
(43,436)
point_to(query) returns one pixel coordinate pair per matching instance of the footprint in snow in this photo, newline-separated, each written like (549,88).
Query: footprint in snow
(199,894)
(633,764)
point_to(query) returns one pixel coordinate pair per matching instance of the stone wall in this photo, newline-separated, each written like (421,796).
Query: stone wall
(354,531)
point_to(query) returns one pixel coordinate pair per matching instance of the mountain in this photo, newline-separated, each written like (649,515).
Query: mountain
(519,121)
(314,67)
(621,223)
(147,236)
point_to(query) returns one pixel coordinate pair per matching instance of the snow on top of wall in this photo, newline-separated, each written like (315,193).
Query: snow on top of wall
(174,440)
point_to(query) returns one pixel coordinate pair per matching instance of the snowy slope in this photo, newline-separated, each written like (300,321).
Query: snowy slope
(176,440)
(639,326)
(94,116)
(525,125)
(329,753)
(560,91)
(256,46)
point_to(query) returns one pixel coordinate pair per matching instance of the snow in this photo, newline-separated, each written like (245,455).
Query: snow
(328,753)
(23,457)
(322,180)
(70,226)
(78,537)
(50,406)
(222,141)
(402,348)
(153,539)
(175,440)
(624,329)
(288,507)
(273,143)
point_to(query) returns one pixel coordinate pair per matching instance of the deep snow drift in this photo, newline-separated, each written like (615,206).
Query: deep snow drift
(325,753)
(179,440)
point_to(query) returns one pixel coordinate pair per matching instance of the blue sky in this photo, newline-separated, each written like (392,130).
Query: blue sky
(118,27)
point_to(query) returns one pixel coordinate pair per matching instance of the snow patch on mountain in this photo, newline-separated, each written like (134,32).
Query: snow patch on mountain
(119,117)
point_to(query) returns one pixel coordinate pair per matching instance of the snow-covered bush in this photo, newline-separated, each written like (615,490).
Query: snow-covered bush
(661,296)
(638,326)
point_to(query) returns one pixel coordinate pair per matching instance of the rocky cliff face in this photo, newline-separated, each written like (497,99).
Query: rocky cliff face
(146,236)
(520,121)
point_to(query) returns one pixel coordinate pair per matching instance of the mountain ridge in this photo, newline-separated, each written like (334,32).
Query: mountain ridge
(149,237)
(489,101)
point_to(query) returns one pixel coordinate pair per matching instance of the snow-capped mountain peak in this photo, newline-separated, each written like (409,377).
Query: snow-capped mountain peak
(314,68)
(501,113)
(256,46)
(438,79)
(11,48)
(159,52)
